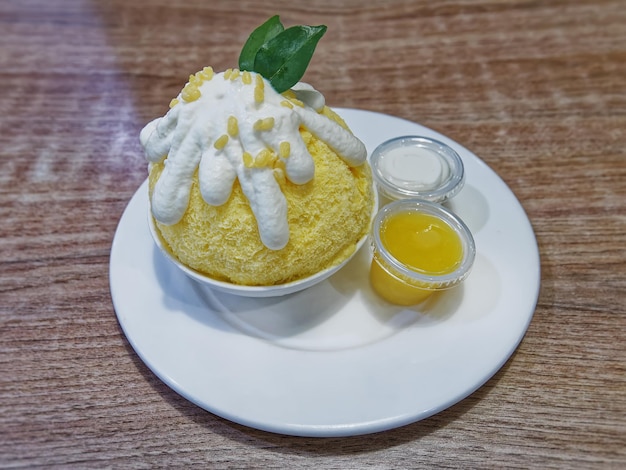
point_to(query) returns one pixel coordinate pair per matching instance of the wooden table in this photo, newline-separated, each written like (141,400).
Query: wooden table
(536,89)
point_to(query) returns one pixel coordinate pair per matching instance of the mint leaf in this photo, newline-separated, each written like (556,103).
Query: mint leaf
(259,36)
(284,58)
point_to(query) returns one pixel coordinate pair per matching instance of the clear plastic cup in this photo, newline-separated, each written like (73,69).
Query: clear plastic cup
(402,269)
(417,167)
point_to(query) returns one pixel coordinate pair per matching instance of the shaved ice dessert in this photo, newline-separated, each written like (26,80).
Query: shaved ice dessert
(253,180)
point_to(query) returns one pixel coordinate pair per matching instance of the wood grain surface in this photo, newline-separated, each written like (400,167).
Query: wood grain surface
(536,89)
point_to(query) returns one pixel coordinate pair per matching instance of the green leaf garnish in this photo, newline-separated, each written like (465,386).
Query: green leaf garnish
(259,36)
(280,55)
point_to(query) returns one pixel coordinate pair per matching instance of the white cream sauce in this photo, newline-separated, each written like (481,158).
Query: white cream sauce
(185,139)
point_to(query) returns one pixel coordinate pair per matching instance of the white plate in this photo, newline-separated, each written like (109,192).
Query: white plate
(334,360)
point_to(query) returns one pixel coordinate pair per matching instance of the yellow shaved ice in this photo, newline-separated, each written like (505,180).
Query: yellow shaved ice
(327,217)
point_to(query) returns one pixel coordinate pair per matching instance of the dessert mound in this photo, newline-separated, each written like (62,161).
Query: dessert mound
(253,180)
(327,216)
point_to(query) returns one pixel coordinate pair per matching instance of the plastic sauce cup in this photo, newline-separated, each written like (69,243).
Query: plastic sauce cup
(418,248)
(417,167)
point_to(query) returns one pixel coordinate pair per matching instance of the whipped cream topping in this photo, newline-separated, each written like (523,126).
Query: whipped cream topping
(234,125)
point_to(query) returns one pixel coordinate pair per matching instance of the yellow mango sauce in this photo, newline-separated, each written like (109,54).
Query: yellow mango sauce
(424,244)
